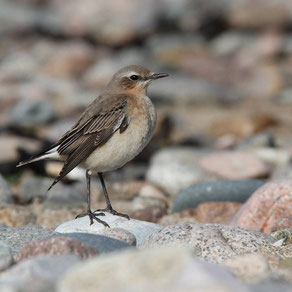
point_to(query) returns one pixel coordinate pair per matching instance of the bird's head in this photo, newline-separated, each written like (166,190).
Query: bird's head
(134,79)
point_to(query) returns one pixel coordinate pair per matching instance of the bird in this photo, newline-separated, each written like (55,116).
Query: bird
(111,131)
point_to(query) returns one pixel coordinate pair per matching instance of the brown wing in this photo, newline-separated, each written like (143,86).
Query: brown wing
(95,127)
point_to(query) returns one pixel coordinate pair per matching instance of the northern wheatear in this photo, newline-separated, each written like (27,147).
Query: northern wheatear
(113,129)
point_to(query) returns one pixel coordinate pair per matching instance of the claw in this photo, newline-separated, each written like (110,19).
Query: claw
(92,216)
(112,211)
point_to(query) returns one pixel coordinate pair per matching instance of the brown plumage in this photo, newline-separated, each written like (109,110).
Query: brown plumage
(114,128)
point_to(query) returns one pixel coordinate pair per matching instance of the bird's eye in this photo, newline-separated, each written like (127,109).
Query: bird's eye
(134,77)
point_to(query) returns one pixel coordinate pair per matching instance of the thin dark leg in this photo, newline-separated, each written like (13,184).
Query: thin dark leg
(89,213)
(109,207)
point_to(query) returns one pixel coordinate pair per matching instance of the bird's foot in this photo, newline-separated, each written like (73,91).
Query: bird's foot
(93,216)
(110,210)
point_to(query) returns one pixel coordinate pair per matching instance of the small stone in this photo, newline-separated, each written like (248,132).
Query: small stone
(176,218)
(216,212)
(234,165)
(167,271)
(149,214)
(36,274)
(10,144)
(31,112)
(212,242)
(174,169)
(16,215)
(101,243)
(282,223)
(17,238)
(69,59)
(236,191)
(120,234)
(249,267)
(140,229)
(52,217)
(5,192)
(6,258)
(56,246)
(285,234)
(269,203)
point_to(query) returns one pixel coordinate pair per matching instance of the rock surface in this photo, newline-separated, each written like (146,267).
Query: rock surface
(266,205)
(212,242)
(140,229)
(237,191)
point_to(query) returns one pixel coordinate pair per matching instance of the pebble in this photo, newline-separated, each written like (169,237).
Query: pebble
(233,190)
(252,267)
(140,229)
(282,223)
(174,169)
(149,214)
(216,212)
(36,274)
(56,246)
(266,205)
(6,195)
(17,238)
(234,165)
(177,218)
(31,112)
(167,271)
(120,234)
(6,258)
(101,243)
(60,195)
(212,242)
(16,215)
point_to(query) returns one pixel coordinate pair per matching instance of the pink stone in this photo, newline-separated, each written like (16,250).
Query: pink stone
(265,207)
(234,165)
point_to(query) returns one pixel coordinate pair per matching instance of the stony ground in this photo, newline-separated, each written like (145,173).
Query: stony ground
(210,198)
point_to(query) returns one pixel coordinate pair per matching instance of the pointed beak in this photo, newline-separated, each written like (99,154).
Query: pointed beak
(158,75)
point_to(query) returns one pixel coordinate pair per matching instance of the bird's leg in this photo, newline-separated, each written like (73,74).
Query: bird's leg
(89,213)
(109,207)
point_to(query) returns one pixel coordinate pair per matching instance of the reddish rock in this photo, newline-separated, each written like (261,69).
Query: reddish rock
(150,214)
(234,165)
(266,206)
(56,246)
(216,212)
(282,223)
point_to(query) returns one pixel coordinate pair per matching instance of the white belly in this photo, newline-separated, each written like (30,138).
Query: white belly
(123,147)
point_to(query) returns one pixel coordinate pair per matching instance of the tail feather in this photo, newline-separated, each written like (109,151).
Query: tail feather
(50,153)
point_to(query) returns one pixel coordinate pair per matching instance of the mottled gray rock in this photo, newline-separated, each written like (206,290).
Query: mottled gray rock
(167,269)
(140,229)
(37,274)
(102,244)
(175,168)
(17,238)
(31,112)
(220,191)
(5,192)
(6,258)
(213,242)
